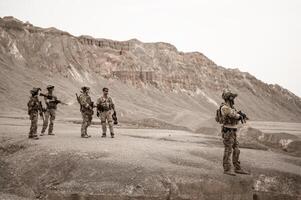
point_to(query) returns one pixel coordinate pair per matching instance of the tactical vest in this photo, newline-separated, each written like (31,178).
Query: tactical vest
(86,98)
(33,105)
(105,104)
(51,104)
(227,120)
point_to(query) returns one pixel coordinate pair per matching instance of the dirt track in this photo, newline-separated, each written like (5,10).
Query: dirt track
(140,163)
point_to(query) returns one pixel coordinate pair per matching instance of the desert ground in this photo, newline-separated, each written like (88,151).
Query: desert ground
(141,163)
(167,145)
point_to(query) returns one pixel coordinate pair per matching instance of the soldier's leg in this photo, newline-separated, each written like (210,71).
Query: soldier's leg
(228,143)
(89,121)
(33,126)
(110,122)
(84,125)
(31,130)
(236,152)
(45,123)
(103,123)
(52,118)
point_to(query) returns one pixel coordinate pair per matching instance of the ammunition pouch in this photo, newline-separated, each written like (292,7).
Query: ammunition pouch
(230,121)
(226,129)
(103,108)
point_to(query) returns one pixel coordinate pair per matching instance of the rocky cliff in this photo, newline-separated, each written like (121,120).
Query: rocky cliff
(147,80)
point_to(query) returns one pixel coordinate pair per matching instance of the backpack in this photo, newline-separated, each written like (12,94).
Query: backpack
(218,116)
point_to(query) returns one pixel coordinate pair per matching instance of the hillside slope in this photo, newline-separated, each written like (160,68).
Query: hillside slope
(146,80)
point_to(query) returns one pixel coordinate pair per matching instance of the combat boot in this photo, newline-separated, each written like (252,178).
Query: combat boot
(230,173)
(85,136)
(34,137)
(241,171)
(51,134)
(104,135)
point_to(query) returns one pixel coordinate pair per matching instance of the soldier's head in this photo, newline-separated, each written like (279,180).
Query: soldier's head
(35,91)
(50,88)
(85,89)
(105,91)
(229,96)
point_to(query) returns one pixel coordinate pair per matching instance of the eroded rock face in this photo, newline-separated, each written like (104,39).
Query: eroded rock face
(84,60)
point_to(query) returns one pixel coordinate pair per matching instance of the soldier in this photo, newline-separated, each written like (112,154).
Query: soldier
(105,109)
(86,108)
(231,118)
(34,107)
(51,105)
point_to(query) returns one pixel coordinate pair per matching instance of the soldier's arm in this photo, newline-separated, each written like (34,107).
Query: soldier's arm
(113,106)
(90,102)
(47,100)
(227,111)
(98,101)
(52,99)
(29,106)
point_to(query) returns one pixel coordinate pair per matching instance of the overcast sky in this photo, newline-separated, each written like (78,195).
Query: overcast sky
(262,37)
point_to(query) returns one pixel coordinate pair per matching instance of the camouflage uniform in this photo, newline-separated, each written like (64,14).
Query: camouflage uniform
(105,109)
(229,130)
(86,110)
(51,107)
(34,107)
(231,118)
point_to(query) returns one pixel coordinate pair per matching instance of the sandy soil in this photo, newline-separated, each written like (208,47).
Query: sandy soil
(140,163)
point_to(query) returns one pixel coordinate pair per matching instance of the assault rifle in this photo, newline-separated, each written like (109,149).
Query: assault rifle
(243,117)
(77,97)
(56,101)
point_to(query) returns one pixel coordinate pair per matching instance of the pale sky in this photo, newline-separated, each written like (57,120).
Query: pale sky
(262,37)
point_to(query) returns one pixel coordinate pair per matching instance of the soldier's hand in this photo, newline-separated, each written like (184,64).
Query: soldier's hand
(243,115)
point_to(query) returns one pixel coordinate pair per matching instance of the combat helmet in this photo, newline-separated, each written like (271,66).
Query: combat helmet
(227,94)
(85,88)
(34,90)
